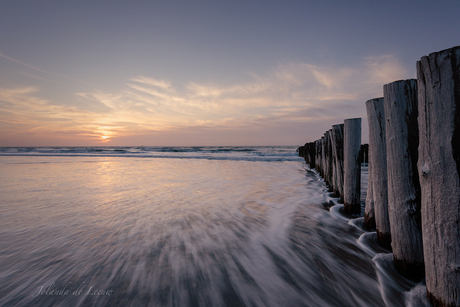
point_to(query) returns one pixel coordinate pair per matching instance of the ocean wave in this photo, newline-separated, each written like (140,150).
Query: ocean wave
(256,153)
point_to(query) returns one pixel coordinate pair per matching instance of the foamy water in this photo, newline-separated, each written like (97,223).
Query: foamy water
(197,226)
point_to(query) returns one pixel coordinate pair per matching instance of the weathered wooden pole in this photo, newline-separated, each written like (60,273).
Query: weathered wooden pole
(337,146)
(323,156)
(438,81)
(369,215)
(404,204)
(301,151)
(311,153)
(307,153)
(328,162)
(378,160)
(304,150)
(318,156)
(333,166)
(331,161)
(352,166)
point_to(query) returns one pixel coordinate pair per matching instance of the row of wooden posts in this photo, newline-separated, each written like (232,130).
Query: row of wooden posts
(413,196)
(337,153)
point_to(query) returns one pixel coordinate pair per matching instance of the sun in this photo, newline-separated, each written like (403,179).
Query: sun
(105,134)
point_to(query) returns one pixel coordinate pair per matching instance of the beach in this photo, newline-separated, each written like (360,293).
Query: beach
(207,226)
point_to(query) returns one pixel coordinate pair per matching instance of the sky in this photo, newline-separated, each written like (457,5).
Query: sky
(201,73)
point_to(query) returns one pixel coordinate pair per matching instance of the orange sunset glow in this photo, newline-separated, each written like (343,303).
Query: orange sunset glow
(170,80)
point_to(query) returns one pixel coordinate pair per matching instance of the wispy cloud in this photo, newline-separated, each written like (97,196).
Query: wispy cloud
(291,95)
(385,69)
(166,85)
(23,113)
(44,71)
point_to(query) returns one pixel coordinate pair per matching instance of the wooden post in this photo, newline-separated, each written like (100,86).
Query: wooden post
(369,214)
(323,156)
(352,166)
(438,81)
(328,160)
(318,156)
(337,146)
(305,150)
(301,151)
(404,205)
(311,152)
(333,166)
(307,156)
(378,159)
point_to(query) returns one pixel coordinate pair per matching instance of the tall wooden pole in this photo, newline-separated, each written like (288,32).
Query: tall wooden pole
(328,171)
(438,81)
(318,156)
(378,160)
(369,214)
(323,156)
(352,166)
(404,204)
(334,166)
(337,145)
(312,152)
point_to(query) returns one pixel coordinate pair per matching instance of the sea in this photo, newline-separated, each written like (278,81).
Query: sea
(184,226)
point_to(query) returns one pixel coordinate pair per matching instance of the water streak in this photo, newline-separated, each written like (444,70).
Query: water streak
(177,232)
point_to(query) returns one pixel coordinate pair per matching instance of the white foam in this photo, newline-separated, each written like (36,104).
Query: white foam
(358,222)
(416,297)
(335,211)
(392,285)
(363,242)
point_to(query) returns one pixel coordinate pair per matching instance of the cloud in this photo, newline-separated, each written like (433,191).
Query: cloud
(293,94)
(204,90)
(24,114)
(165,85)
(385,69)
(43,71)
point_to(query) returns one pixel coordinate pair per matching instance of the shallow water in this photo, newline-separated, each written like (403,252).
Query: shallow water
(250,227)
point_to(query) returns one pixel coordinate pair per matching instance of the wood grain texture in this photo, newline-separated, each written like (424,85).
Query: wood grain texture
(369,215)
(404,203)
(352,166)
(438,81)
(337,152)
(378,159)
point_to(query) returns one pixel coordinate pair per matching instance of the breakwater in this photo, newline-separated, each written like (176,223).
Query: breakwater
(413,196)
